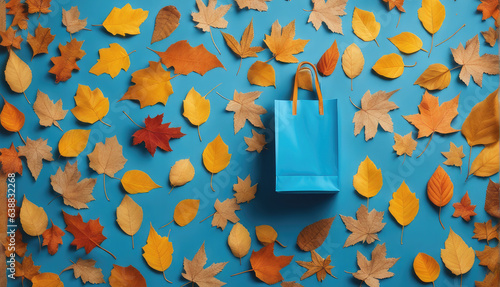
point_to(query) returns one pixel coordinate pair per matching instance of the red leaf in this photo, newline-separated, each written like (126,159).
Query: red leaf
(267,266)
(327,62)
(87,234)
(52,238)
(156,134)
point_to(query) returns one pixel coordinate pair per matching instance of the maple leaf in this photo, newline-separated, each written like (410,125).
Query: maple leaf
(71,21)
(35,152)
(48,112)
(107,158)
(9,39)
(491,279)
(87,234)
(10,160)
(256,142)
(404,144)
(259,5)
(90,105)
(202,277)
(156,135)
(489,257)
(20,12)
(208,16)
(328,12)
(166,22)
(38,6)
(490,36)
(267,266)
(244,108)
(41,41)
(52,238)
(282,44)
(126,276)
(64,64)
(225,211)
(74,192)
(125,20)
(86,270)
(20,246)
(111,61)
(365,227)
(395,3)
(492,202)
(26,269)
(245,192)
(152,85)
(485,231)
(370,272)
(454,156)
(489,8)
(318,266)
(473,64)
(374,111)
(464,208)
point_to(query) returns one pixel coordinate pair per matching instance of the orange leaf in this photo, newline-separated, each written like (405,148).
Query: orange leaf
(52,238)
(66,63)
(20,246)
(327,62)
(464,208)
(396,3)
(41,41)
(485,231)
(126,276)
(186,59)
(11,118)
(20,12)
(10,160)
(440,189)
(38,6)
(9,39)
(489,8)
(267,266)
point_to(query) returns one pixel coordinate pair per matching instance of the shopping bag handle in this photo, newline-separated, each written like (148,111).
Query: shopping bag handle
(296,88)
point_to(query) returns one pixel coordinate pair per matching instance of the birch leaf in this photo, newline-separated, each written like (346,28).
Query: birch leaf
(17,73)
(364,25)
(456,255)
(129,216)
(352,61)
(403,206)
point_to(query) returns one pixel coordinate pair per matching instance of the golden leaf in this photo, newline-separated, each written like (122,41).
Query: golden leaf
(129,216)
(352,61)
(216,157)
(435,77)
(368,180)
(403,206)
(181,173)
(196,108)
(185,211)
(158,251)
(125,20)
(364,25)
(282,44)
(261,74)
(486,162)
(73,142)
(91,106)
(239,240)
(426,268)
(456,255)
(407,43)
(136,181)
(111,61)
(34,220)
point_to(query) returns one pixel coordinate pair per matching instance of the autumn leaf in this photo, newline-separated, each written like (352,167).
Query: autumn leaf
(487,161)
(256,142)
(17,74)
(26,269)
(244,108)
(364,25)
(464,208)
(126,276)
(20,12)
(481,125)
(329,12)
(490,36)
(489,8)
(35,152)
(216,157)
(9,158)
(395,3)
(473,64)
(152,85)
(67,183)
(267,235)
(261,74)
(456,255)
(86,234)
(440,189)
(34,220)
(352,61)
(186,59)
(19,245)
(11,118)
(123,21)
(129,216)
(407,42)
(209,16)
(318,266)
(244,189)
(328,61)
(492,202)
(282,44)
(166,22)
(85,269)
(370,272)
(403,206)
(156,135)
(368,180)
(158,252)
(71,20)
(203,277)
(9,39)
(390,66)
(40,42)
(491,279)
(185,211)
(431,14)
(112,60)
(374,111)
(66,63)
(404,145)
(181,173)
(239,240)
(73,142)
(454,156)
(290,284)
(365,227)
(52,238)
(38,6)
(225,211)
(489,257)
(91,106)
(435,77)
(485,231)
(196,108)
(136,181)
(426,268)
(259,5)
(313,235)
(48,113)
(47,279)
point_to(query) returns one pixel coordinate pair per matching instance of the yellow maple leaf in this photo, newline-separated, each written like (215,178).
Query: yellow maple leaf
(91,106)
(403,206)
(73,142)
(454,156)
(282,44)
(158,251)
(216,157)
(404,144)
(196,109)
(368,180)
(364,25)
(431,14)
(456,255)
(125,20)
(111,61)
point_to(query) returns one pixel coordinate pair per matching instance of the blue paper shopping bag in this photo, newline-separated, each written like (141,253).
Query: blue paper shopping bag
(307,143)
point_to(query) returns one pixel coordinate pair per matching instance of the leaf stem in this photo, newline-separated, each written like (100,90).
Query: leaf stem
(241,60)
(402,230)
(131,52)
(211,36)
(468,165)
(354,104)
(165,277)
(39,243)
(106,250)
(455,68)
(270,59)
(424,50)
(167,224)
(439,216)
(433,284)
(376,42)
(249,270)
(426,146)
(171,189)
(281,244)
(451,35)
(211,179)
(54,199)
(432,45)
(132,241)
(58,126)
(212,90)
(104,123)
(207,217)
(409,66)
(351,84)
(26,97)
(96,25)
(199,135)
(19,133)
(399,19)
(104,183)
(223,97)
(132,120)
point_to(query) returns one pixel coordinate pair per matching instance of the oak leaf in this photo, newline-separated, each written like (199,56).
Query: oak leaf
(66,63)
(318,266)
(244,108)
(73,142)
(329,12)
(435,77)
(107,158)
(282,44)
(489,8)
(370,272)
(489,257)
(267,266)
(181,173)
(40,42)
(365,227)
(225,211)
(261,74)
(486,162)
(91,106)
(473,64)
(256,142)
(9,39)
(111,61)
(485,231)
(47,279)
(129,216)
(158,251)
(156,135)
(166,22)
(492,202)
(196,108)
(34,220)
(35,152)
(38,6)
(216,157)
(85,269)
(11,118)
(407,42)
(185,211)
(71,20)
(20,12)
(17,74)
(328,61)
(456,255)
(244,189)
(125,20)
(490,36)
(352,61)
(48,113)
(10,161)
(313,235)
(464,208)
(481,127)
(136,181)
(52,238)
(203,277)
(395,3)
(440,189)
(454,156)
(426,268)
(26,269)
(364,25)
(403,206)
(259,5)
(404,144)
(75,192)
(368,180)
(239,240)
(126,276)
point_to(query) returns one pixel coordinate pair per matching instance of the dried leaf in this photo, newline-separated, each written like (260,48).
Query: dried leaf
(10,161)
(74,192)
(481,126)
(216,156)
(10,40)
(256,142)
(365,227)
(239,240)
(52,238)
(404,144)
(202,277)
(318,266)
(426,268)
(33,218)
(136,181)
(85,269)
(196,108)
(41,41)
(35,152)
(11,118)
(38,6)
(403,206)
(304,78)
(490,36)
(454,156)
(181,173)
(3,16)
(352,61)
(368,180)
(328,61)
(243,48)
(129,216)
(489,8)
(456,255)
(487,161)
(158,251)
(209,16)
(259,5)
(107,158)
(26,269)
(485,231)
(267,266)
(126,276)
(47,279)
(166,22)
(440,189)
(282,44)
(91,106)
(73,142)
(435,77)
(491,279)
(48,113)
(244,189)
(492,202)
(431,14)
(244,108)
(261,74)
(390,66)
(370,272)
(225,211)
(364,25)
(123,21)
(17,73)
(111,61)
(185,211)
(329,12)
(395,3)
(66,63)
(489,257)
(313,235)
(464,209)
(20,12)
(156,135)
(71,20)
(19,246)
(267,235)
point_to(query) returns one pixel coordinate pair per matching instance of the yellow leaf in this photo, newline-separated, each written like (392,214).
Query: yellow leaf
(267,235)
(33,218)
(91,106)
(261,74)
(390,66)
(216,156)
(368,180)
(17,73)
(125,20)
(239,240)
(364,25)
(352,61)
(456,255)
(431,14)
(435,77)
(282,44)
(196,108)
(73,142)
(305,79)
(111,61)
(129,216)
(158,251)
(487,161)
(181,173)
(47,280)
(403,206)
(136,181)
(426,268)
(481,125)
(185,211)
(407,43)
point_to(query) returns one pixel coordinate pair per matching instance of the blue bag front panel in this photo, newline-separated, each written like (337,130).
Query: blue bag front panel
(307,147)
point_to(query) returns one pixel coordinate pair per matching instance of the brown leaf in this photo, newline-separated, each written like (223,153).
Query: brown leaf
(378,268)
(329,12)
(256,142)
(259,5)
(38,6)
(464,208)
(52,238)
(225,211)
(203,277)
(282,44)
(313,235)
(41,41)
(490,36)
(328,61)
(75,193)
(365,227)
(126,276)
(492,202)
(71,21)
(489,257)
(245,192)
(66,63)
(208,16)
(10,161)
(166,22)
(107,158)
(491,279)
(243,48)
(244,108)
(318,266)
(9,39)
(20,12)
(35,152)
(3,16)
(86,270)
(267,266)
(26,269)
(485,231)
(19,247)
(473,64)
(404,144)
(48,112)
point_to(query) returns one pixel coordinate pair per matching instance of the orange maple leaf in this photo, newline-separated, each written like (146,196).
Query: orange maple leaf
(20,12)
(396,3)
(9,39)
(38,6)
(267,266)
(10,160)
(464,208)
(64,64)
(52,238)
(489,8)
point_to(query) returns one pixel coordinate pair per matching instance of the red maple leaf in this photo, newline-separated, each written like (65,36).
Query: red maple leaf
(156,134)
(464,208)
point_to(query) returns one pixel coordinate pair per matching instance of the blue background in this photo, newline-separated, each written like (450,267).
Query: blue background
(288,214)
